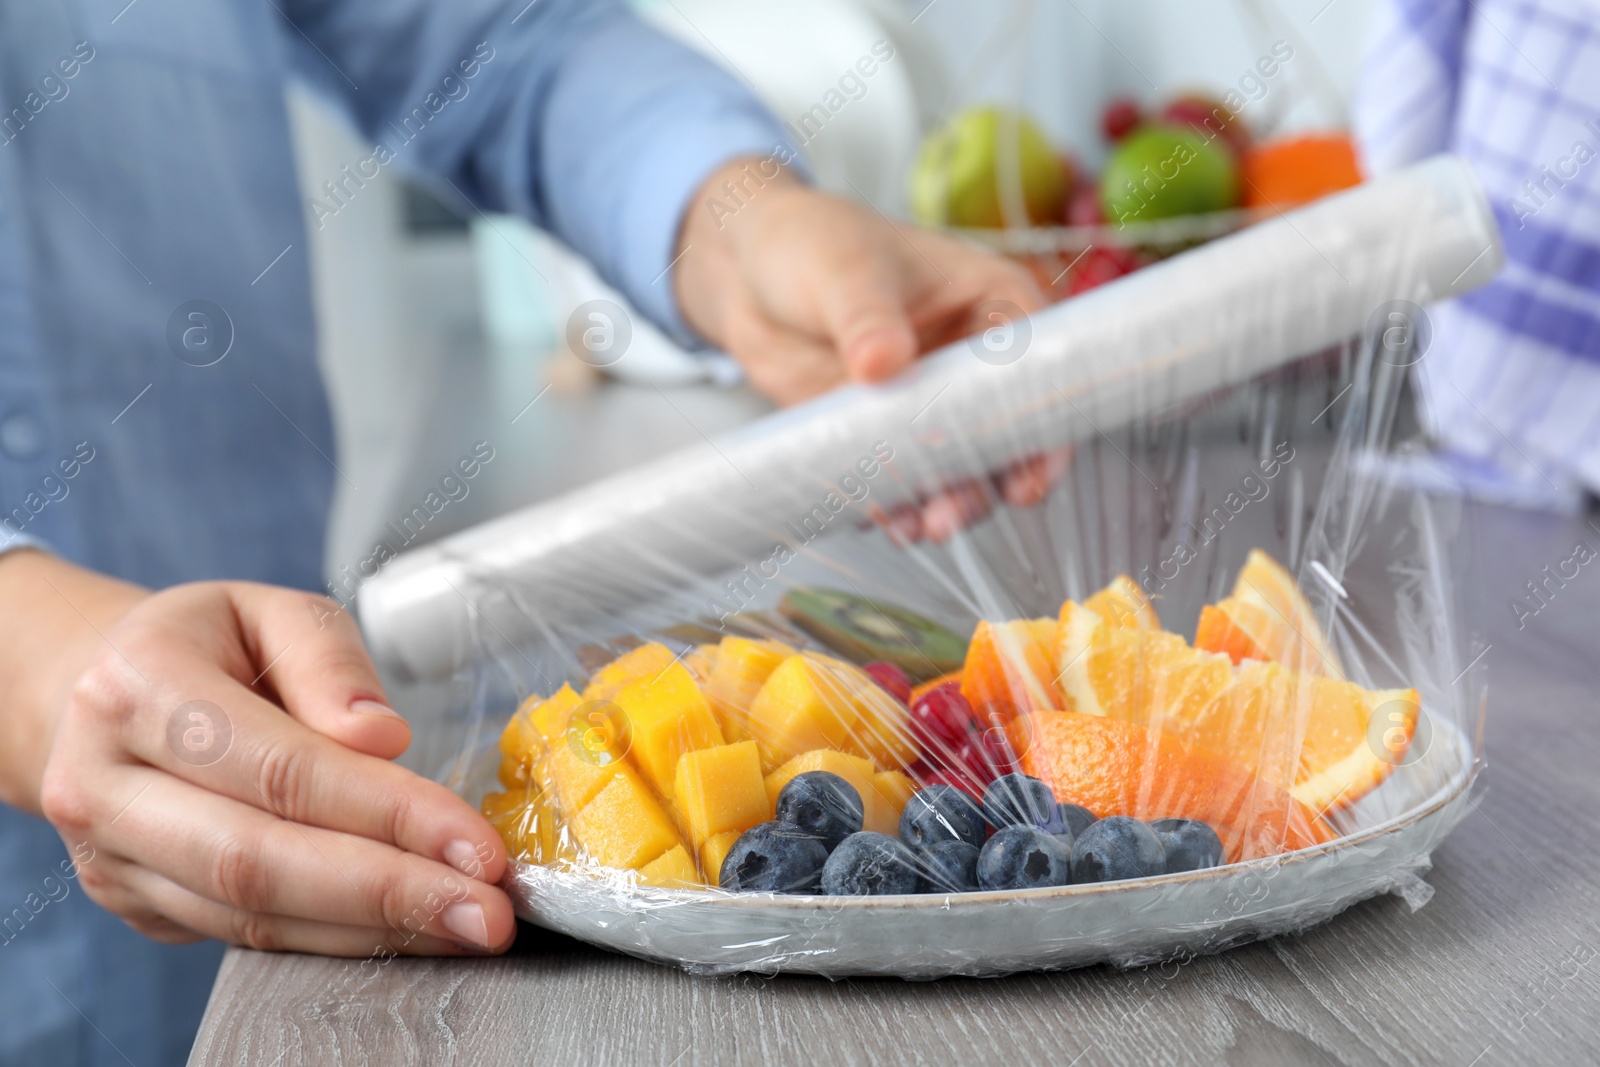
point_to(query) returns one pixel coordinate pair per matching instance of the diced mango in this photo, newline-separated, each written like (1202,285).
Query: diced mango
(550,718)
(890,792)
(624,825)
(519,738)
(673,869)
(515,771)
(804,704)
(854,769)
(743,665)
(636,664)
(667,715)
(713,852)
(721,789)
(882,731)
(576,776)
(701,661)
(525,823)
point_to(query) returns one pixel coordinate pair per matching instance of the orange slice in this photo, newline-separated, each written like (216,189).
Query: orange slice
(1313,734)
(1123,604)
(1011,667)
(1304,732)
(1113,767)
(1267,618)
(1119,615)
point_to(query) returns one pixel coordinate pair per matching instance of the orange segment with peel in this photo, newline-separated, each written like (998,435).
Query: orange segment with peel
(1113,767)
(1084,629)
(1011,666)
(1123,604)
(1146,676)
(1267,618)
(1310,733)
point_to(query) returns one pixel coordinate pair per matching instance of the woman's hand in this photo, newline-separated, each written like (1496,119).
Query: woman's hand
(809,291)
(217,759)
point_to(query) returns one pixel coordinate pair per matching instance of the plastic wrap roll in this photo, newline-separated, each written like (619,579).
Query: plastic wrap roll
(1146,344)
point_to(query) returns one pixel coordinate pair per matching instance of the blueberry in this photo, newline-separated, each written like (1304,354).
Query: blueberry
(947,867)
(822,805)
(774,858)
(1017,800)
(1023,857)
(1115,848)
(869,864)
(1068,820)
(941,813)
(1191,845)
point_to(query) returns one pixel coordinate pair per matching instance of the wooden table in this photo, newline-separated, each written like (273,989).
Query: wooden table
(1500,967)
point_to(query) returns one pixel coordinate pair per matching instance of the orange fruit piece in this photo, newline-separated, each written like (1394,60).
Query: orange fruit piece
(1113,767)
(1267,618)
(1292,171)
(1123,604)
(1311,734)
(1145,676)
(1011,668)
(1121,607)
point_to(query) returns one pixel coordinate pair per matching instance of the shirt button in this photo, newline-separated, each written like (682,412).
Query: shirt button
(21,436)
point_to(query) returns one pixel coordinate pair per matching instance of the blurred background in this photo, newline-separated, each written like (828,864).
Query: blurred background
(437,321)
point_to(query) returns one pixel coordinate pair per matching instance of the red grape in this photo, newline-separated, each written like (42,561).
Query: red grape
(891,679)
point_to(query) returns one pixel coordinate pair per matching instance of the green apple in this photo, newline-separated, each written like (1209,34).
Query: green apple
(989,167)
(1161,170)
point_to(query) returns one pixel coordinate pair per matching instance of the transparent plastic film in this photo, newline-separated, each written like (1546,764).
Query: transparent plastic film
(1074,659)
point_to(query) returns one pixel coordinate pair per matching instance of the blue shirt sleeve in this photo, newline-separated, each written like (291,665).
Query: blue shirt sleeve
(572,113)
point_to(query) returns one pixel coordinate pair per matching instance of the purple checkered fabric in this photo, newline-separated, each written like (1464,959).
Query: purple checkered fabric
(1513,86)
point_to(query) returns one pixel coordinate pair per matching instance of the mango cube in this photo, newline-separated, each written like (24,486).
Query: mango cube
(673,869)
(804,704)
(701,661)
(713,852)
(882,731)
(742,666)
(890,792)
(525,823)
(624,825)
(667,715)
(576,776)
(549,718)
(721,789)
(644,662)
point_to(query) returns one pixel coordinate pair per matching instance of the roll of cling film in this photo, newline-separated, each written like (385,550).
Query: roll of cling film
(1215,679)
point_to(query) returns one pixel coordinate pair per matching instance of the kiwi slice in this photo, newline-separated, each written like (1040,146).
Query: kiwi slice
(865,630)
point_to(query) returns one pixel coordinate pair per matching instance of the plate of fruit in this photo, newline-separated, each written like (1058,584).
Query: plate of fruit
(864,791)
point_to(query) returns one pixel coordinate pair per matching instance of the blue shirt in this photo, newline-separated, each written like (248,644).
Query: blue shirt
(161,413)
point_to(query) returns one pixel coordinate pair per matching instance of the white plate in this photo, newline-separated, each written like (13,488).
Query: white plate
(1123,923)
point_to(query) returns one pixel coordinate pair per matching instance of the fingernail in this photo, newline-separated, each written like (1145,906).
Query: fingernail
(466,921)
(373,707)
(463,857)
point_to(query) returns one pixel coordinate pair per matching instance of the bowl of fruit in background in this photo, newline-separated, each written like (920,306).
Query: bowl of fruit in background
(1175,176)
(874,794)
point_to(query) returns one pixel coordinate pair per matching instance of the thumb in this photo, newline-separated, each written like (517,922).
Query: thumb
(310,654)
(865,318)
